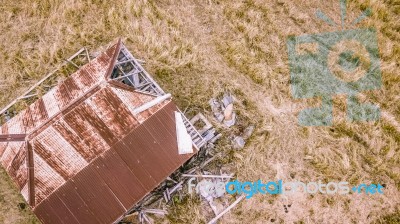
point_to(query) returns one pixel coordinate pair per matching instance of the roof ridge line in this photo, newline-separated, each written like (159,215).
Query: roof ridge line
(85,96)
(113,60)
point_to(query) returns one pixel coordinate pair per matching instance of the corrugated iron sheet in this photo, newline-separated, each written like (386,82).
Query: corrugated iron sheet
(25,192)
(14,126)
(115,181)
(113,112)
(46,179)
(78,83)
(17,168)
(38,112)
(10,152)
(91,129)
(27,120)
(58,153)
(3,147)
(56,211)
(119,178)
(84,133)
(81,143)
(88,158)
(50,102)
(4,128)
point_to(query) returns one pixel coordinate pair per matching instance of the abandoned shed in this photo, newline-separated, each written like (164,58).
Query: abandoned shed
(94,145)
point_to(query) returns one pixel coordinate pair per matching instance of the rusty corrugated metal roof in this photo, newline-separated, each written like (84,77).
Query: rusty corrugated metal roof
(122,175)
(37,117)
(88,157)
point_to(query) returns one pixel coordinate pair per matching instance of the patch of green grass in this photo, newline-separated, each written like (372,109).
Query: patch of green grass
(393,218)
(342,129)
(391,131)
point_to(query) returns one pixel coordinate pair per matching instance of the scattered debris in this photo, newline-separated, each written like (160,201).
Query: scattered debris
(238,142)
(202,165)
(213,206)
(217,206)
(141,61)
(214,220)
(216,109)
(211,189)
(209,176)
(227,99)
(27,96)
(167,195)
(155,211)
(213,140)
(200,117)
(248,132)
(207,187)
(72,63)
(224,111)
(229,116)
(207,132)
(169,191)
(170,179)
(143,218)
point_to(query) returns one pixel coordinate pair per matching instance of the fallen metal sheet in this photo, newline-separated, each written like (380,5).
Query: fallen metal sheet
(182,137)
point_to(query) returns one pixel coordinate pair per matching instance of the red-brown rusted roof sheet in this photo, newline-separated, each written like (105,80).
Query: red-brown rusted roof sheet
(56,159)
(88,157)
(115,181)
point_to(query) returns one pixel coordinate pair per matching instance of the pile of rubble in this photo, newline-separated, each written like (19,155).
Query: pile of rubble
(223,111)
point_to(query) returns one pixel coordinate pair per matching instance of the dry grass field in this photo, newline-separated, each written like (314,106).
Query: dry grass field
(198,49)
